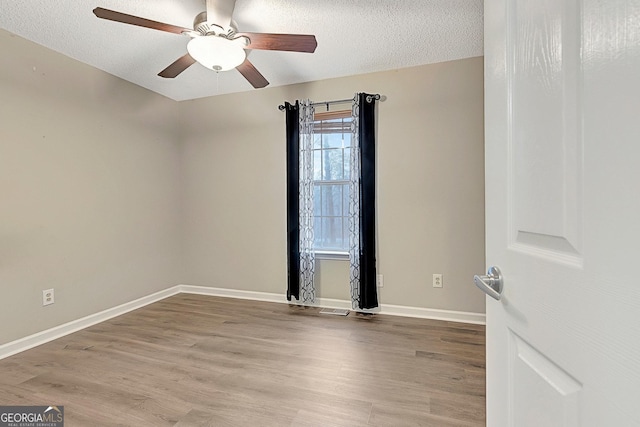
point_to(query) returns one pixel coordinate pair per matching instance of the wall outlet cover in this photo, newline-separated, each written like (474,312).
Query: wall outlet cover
(47,297)
(437,280)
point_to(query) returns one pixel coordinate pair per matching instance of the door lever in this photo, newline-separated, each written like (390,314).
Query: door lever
(491,284)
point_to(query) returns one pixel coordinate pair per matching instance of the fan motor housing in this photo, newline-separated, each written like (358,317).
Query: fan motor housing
(201,25)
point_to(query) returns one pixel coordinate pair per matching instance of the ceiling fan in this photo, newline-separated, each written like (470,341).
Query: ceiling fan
(215,42)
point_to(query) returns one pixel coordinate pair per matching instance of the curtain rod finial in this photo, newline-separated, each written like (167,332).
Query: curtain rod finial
(372,97)
(281,107)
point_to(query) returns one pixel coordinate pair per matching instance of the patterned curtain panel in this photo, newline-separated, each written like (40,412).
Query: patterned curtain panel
(362,204)
(293,200)
(354,206)
(307,253)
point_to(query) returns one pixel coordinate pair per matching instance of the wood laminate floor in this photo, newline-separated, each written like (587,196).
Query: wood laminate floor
(192,360)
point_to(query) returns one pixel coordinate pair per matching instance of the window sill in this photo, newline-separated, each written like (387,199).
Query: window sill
(340,256)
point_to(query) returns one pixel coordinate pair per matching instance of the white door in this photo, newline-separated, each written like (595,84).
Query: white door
(562,81)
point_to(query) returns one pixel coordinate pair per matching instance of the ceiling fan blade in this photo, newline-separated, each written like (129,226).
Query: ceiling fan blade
(250,73)
(288,42)
(219,12)
(112,15)
(178,66)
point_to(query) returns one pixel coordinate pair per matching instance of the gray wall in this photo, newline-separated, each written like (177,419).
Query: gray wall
(89,185)
(110,192)
(430,186)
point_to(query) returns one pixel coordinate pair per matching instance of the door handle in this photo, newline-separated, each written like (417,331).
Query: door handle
(491,284)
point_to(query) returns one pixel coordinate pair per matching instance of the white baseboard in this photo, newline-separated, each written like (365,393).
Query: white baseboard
(435,314)
(393,310)
(22,344)
(260,296)
(232,293)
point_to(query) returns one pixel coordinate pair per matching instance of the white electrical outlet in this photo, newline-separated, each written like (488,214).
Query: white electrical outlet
(47,297)
(380,281)
(437,280)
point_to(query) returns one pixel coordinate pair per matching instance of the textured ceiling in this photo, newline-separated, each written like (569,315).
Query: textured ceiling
(354,37)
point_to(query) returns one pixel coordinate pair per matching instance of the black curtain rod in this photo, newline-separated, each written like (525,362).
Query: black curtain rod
(339,101)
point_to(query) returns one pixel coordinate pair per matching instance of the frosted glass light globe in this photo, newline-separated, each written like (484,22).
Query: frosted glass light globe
(217,53)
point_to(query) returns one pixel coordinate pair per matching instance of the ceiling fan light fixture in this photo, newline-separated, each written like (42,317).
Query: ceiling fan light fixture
(217,53)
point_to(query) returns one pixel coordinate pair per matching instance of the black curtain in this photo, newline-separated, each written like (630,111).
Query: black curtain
(368,289)
(293,204)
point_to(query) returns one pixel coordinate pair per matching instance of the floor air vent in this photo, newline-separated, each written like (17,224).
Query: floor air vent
(335,311)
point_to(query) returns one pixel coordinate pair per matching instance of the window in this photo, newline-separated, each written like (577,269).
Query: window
(331,174)
(331,200)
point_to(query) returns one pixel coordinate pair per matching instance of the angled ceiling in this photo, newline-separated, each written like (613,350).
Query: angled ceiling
(354,37)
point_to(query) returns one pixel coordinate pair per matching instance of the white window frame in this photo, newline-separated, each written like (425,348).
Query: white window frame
(323,116)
